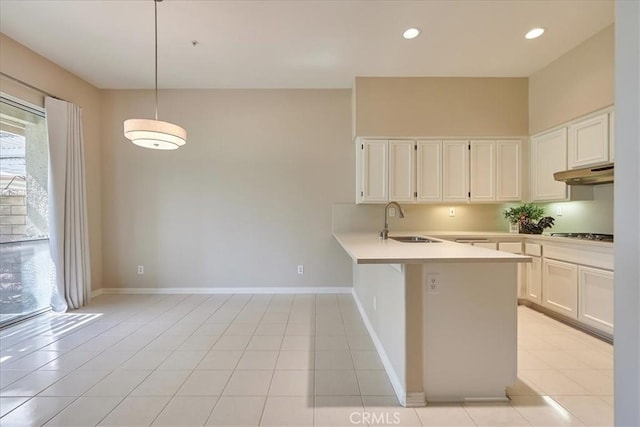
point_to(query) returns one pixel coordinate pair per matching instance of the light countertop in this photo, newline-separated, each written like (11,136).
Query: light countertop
(504,236)
(368,248)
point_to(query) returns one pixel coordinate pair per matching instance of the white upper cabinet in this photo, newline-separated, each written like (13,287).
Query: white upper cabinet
(374,171)
(589,141)
(483,171)
(402,169)
(612,136)
(495,170)
(434,170)
(429,171)
(455,166)
(548,155)
(508,171)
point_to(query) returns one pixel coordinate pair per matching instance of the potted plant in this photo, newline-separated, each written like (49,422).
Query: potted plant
(521,218)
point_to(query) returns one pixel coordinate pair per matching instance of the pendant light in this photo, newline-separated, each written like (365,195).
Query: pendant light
(155,134)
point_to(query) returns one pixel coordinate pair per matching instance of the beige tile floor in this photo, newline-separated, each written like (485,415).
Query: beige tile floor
(273,360)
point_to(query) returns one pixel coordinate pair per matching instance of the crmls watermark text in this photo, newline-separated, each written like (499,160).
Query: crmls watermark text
(381,418)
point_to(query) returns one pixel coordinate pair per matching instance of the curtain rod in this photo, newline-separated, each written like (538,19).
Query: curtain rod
(30,86)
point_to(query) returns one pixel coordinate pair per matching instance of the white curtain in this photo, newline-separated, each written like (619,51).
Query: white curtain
(68,228)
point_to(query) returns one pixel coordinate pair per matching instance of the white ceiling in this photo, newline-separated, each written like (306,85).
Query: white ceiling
(295,43)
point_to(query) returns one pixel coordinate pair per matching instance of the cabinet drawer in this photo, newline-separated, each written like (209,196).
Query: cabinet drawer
(533,249)
(488,245)
(512,247)
(602,258)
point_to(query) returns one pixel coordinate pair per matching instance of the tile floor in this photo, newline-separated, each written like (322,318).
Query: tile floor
(272,360)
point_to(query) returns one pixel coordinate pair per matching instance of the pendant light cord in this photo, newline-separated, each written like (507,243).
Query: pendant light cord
(155,3)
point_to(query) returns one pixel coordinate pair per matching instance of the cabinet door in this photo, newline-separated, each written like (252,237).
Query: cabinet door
(455,167)
(548,155)
(595,293)
(534,280)
(560,287)
(488,245)
(589,142)
(402,176)
(429,171)
(515,248)
(375,171)
(508,179)
(483,171)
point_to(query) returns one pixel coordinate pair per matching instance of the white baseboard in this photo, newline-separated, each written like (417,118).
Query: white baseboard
(398,387)
(97,293)
(232,290)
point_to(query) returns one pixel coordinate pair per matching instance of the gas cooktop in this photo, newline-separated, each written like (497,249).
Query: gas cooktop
(586,236)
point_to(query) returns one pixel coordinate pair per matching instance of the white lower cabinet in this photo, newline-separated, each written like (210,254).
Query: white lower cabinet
(534,280)
(574,280)
(515,248)
(560,287)
(595,290)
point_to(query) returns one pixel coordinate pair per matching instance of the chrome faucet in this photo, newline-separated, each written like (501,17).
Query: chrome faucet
(385,232)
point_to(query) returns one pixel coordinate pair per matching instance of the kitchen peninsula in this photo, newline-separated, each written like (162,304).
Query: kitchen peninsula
(442,315)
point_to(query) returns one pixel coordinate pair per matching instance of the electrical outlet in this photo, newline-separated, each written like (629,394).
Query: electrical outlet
(559,211)
(392,211)
(141,269)
(301,269)
(452,212)
(375,304)
(433,283)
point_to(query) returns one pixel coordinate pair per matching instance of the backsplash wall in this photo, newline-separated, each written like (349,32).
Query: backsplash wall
(352,217)
(592,216)
(595,216)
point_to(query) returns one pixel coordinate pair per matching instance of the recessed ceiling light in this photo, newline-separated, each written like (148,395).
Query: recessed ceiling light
(411,33)
(534,34)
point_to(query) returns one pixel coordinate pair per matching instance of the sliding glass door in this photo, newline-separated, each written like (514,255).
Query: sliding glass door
(25,279)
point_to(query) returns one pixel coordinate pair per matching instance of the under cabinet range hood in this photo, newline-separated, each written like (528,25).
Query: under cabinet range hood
(593,175)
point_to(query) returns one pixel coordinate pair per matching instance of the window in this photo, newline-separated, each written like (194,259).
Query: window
(25,284)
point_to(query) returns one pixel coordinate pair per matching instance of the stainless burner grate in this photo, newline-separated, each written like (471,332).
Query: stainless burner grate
(586,236)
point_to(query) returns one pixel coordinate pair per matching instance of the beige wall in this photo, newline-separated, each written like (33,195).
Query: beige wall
(440,106)
(577,83)
(245,201)
(24,64)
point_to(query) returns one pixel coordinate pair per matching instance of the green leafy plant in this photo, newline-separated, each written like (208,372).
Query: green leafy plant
(528,211)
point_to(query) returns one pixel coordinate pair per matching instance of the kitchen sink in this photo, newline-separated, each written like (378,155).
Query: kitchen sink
(413,239)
